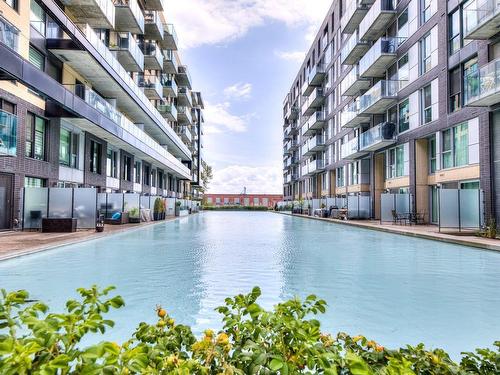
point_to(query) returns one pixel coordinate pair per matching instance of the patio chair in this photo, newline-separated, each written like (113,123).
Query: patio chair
(398,218)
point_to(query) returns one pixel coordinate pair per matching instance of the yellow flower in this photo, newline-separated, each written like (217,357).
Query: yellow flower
(222,339)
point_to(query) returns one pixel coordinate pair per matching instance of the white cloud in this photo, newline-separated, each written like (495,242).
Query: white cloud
(257,180)
(238,91)
(220,21)
(297,56)
(218,119)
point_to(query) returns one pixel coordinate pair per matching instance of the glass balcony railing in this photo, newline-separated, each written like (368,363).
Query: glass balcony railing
(381,91)
(136,11)
(151,49)
(9,35)
(170,30)
(8,133)
(377,137)
(480,19)
(112,113)
(374,21)
(170,57)
(186,112)
(152,17)
(182,70)
(151,84)
(169,83)
(482,87)
(186,93)
(108,9)
(350,148)
(378,53)
(168,109)
(316,75)
(353,14)
(126,42)
(353,50)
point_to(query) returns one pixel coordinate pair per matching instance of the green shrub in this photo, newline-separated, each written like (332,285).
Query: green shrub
(286,340)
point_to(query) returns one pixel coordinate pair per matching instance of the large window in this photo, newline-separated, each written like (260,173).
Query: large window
(454,32)
(137,172)
(425,54)
(37,58)
(426,10)
(340,177)
(37,17)
(426,97)
(395,162)
(404,116)
(68,148)
(432,154)
(355,173)
(36,134)
(12,3)
(112,163)
(146,175)
(127,168)
(95,157)
(455,90)
(34,182)
(402,24)
(455,146)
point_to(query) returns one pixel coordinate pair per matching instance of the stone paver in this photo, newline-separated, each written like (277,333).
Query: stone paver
(17,243)
(422,231)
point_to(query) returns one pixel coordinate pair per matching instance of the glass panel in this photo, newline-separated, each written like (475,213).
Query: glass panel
(131,204)
(448,208)
(352,206)
(144,201)
(115,204)
(64,147)
(469,208)
(35,206)
(386,206)
(84,209)
(461,143)
(404,116)
(60,200)
(403,204)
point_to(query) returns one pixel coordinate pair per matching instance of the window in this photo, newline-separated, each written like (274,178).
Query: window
(68,148)
(425,54)
(426,10)
(426,96)
(146,175)
(432,154)
(37,58)
(160,179)
(95,157)
(454,32)
(9,34)
(403,70)
(455,146)
(12,3)
(340,177)
(355,173)
(153,177)
(455,90)
(36,129)
(137,172)
(112,163)
(37,17)
(403,24)
(395,162)
(127,168)
(7,106)
(469,185)
(404,116)
(34,182)
(471,79)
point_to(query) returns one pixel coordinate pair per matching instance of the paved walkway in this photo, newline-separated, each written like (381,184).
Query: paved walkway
(17,243)
(422,231)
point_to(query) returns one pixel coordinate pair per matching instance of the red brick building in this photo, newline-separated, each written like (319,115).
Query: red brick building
(268,200)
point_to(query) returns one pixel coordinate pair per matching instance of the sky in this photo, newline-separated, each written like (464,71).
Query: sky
(243,56)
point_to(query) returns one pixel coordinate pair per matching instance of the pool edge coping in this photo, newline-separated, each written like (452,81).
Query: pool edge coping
(427,236)
(92,237)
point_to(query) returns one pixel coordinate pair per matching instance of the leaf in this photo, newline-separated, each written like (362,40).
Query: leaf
(276,364)
(357,366)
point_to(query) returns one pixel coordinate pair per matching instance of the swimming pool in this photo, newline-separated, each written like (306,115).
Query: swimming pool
(391,288)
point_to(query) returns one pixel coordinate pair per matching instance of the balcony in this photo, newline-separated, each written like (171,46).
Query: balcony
(306,89)
(313,167)
(316,121)
(353,50)
(292,113)
(184,97)
(96,13)
(350,118)
(313,145)
(378,18)
(481,19)
(128,16)
(170,88)
(151,85)
(482,88)
(317,75)
(157,5)
(351,150)
(380,56)
(184,115)
(127,51)
(170,65)
(168,111)
(183,77)
(379,98)
(153,58)
(378,137)
(353,84)
(354,14)
(169,37)
(153,27)
(313,102)
(185,135)
(8,134)
(287,133)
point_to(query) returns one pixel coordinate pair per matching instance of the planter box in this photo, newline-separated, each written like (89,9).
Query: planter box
(122,220)
(53,225)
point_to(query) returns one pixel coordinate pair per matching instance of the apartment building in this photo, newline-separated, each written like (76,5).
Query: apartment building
(263,200)
(93,93)
(397,97)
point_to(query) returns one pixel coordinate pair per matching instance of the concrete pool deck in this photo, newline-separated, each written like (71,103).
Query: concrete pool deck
(430,232)
(18,243)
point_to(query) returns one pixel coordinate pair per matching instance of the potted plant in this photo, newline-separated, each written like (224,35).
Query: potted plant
(157,210)
(134,215)
(163,209)
(177,208)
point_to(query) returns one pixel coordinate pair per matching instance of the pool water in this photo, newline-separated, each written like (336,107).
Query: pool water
(391,288)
